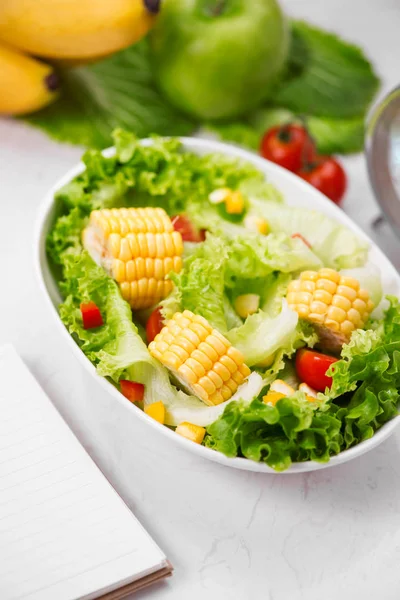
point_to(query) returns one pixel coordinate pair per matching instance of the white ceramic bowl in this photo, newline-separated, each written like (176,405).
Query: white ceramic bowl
(297,193)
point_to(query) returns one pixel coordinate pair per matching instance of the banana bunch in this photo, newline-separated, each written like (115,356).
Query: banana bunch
(70,32)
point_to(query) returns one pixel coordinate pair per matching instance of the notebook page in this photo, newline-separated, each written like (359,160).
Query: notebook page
(64,532)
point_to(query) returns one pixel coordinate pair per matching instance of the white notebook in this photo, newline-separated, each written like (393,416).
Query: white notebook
(65,534)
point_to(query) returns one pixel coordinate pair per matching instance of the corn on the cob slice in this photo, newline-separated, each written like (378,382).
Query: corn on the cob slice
(138,247)
(200,358)
(334,303)
(192,432)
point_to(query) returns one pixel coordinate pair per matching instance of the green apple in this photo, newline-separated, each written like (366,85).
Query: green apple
(216,59)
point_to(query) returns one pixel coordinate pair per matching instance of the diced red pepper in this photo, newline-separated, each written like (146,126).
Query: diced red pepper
(132,390)
(187,230)
(91,315)
(303,239)
(154,325)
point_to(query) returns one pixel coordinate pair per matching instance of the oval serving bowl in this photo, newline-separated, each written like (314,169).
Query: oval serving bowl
(296,192)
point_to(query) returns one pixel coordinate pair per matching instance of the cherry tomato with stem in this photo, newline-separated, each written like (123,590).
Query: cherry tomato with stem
(327,175)
(154,325)
(289,146)
(311,368)
(187,230)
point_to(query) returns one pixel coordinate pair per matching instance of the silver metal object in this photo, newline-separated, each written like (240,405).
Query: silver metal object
(382,150)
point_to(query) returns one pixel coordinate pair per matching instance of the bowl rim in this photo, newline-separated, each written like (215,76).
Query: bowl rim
(212,146)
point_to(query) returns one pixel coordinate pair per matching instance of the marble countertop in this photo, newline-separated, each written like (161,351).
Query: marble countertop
(230,534)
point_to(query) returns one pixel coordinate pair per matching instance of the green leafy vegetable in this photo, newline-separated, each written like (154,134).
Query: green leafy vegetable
(118,91)
(326,76)
(337,136)
(331,135)
(199,287)
(366,383)
(334,244)
(261,336)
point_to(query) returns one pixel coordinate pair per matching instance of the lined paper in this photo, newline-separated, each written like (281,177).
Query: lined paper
(65,534)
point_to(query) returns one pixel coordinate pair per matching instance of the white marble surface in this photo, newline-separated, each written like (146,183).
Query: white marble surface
(232,535)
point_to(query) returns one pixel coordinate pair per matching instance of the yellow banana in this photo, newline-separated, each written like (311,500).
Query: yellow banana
(75,29)
(25,83)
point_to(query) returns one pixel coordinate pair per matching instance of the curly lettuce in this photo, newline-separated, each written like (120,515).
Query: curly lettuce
(363,397)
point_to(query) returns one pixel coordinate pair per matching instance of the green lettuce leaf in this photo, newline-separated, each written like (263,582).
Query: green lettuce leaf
(334,244)
(118,91)
(326,76)
(199,287)
(331,135)
(291,431)
(363,397)
(254,256)
(261,336)
(239,265)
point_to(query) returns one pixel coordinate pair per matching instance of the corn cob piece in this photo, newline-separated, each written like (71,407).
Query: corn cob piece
(334,303)
(138,247)
(200,358)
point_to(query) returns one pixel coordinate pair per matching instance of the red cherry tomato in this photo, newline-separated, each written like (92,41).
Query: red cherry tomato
(154,325)
(311,368)
(327,175)
(300,237)
(289,146)
(132,390)
(91,315)
(187,230)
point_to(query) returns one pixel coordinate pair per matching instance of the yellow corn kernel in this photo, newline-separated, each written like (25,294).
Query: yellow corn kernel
(156,411)
(211,369)
(307,286)
(354,316)
(281,386)
(327,285)
(330,301)
(308,391)
(323,296)
(303,310)
(350,282)
(341,302)
(318,307)
(256,224)
(272,397)
(336,314)
(247,304)
(234,203)
(192,432)
(309,276)
(347,327)
(329,274)
(139,248)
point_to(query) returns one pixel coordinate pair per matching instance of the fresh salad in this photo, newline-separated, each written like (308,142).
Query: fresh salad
(252,327)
